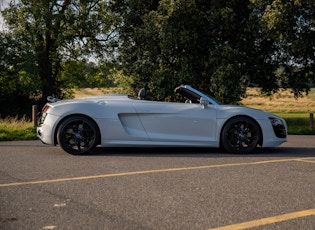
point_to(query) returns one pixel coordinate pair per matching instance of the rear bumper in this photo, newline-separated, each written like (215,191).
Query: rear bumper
(46,131)
(44,136)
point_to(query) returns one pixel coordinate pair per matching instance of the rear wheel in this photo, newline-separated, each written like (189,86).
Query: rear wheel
(77,135)
(240,135)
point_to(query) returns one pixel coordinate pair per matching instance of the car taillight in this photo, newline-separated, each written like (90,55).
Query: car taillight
(44,113)
(45,109)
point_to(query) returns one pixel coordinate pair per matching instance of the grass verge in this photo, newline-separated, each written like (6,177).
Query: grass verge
(14,129)
(298,123)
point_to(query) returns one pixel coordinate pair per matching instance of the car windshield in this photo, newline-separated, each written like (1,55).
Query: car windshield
(194,95)
(212,98)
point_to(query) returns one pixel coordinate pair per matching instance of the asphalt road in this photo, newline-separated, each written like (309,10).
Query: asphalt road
(42,187)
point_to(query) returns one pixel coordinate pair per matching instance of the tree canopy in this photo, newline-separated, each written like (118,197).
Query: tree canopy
(220,47)
(44,36)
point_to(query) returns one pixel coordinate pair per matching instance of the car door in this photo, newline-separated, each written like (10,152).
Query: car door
(177,122)
(121,123)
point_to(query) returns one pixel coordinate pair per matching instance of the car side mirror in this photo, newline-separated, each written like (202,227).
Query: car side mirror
(204,102)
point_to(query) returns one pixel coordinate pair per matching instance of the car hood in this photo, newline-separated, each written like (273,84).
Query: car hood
(226,111)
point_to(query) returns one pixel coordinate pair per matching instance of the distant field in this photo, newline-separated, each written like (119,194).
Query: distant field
(296,111)
(282,102)
(85,92)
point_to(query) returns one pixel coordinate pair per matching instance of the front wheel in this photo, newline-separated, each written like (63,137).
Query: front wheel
(240,135)
(77,135)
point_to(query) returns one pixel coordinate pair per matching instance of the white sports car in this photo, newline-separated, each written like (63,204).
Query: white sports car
(79,125)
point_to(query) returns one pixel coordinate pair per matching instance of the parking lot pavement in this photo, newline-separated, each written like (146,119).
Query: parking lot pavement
(41,187)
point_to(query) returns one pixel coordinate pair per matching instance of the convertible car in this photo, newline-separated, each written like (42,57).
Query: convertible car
(117,120)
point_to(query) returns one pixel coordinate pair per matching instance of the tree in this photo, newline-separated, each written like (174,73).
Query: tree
(16,89)
(291,27)
(218,46)
(49,33)
(202,43)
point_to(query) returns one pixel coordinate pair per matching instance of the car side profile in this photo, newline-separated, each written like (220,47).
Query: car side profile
(118,120)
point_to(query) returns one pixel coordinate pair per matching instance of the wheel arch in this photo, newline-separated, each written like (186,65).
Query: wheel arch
(260,142)
(77,115)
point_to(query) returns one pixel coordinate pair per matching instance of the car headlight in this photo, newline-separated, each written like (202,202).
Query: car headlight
(278,127)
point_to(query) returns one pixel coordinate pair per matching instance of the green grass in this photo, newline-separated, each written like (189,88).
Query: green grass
(13,129)
(298,123)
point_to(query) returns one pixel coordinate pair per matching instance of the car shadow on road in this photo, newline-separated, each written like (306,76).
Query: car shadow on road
(281,151)
(202,152)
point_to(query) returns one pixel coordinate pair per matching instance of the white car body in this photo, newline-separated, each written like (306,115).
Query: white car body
(125,121)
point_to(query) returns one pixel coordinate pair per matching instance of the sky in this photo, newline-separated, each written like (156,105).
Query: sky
(3,4)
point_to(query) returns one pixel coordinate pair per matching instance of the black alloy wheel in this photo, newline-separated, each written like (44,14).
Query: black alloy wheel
(78,135)
(240,135)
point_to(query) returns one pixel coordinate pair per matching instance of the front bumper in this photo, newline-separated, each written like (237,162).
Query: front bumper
(274,133)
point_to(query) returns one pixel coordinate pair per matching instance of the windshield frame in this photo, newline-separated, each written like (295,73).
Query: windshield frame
(194,95)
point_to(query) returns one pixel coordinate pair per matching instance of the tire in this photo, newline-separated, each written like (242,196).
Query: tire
(240,135)
(78,135)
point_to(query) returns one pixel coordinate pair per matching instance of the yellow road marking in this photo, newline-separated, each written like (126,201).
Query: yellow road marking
(305,160)
(148,171)
(269,220)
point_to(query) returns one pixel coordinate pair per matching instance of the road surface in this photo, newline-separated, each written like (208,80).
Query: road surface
(42,187)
